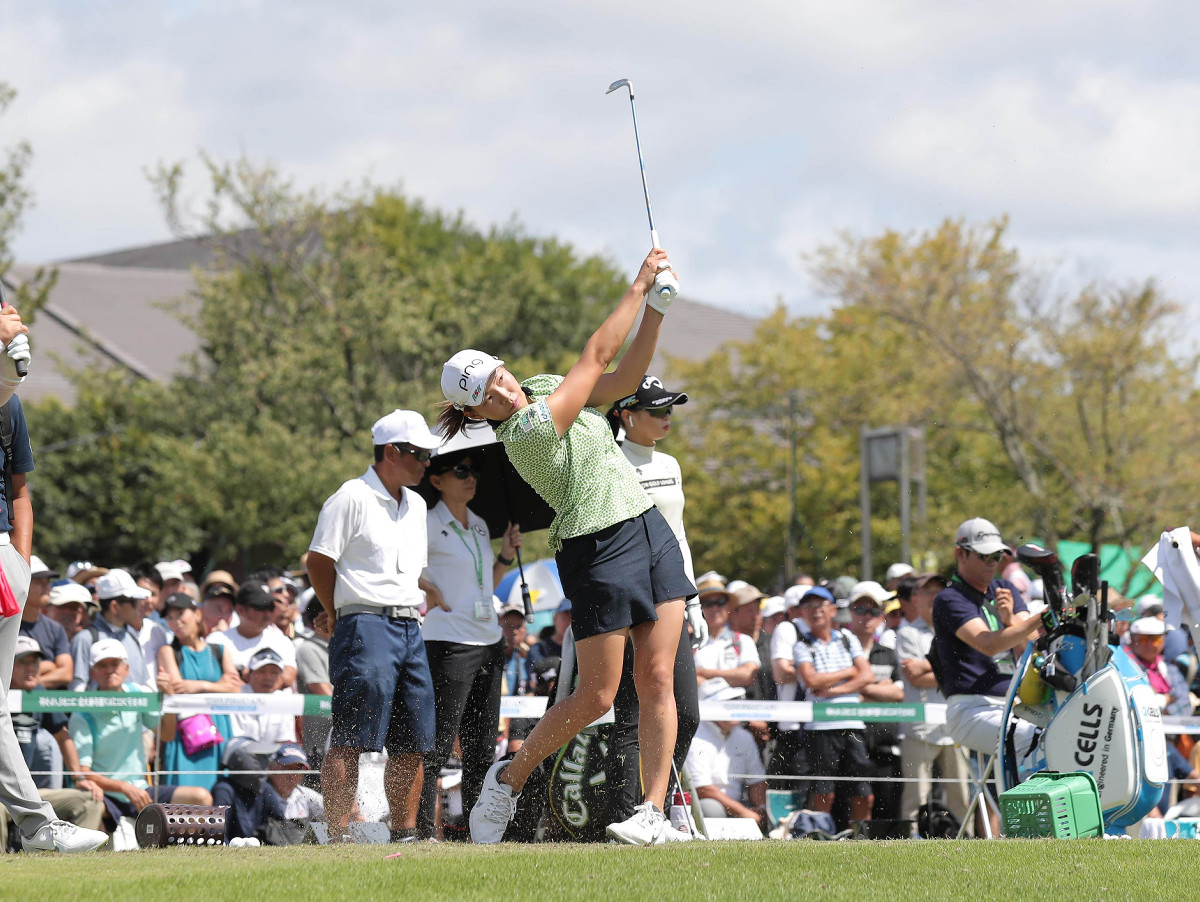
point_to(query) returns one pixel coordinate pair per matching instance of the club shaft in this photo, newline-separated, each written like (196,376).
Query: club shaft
(641,161)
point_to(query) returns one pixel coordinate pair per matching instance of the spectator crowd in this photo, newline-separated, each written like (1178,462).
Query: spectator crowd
(153,627)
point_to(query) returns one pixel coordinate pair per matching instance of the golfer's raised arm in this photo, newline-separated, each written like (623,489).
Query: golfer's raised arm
(587,384)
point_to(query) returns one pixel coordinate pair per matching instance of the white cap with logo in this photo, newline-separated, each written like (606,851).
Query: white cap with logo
(107,649)
(119,584)
(404,427)
(980,536)
(465,376)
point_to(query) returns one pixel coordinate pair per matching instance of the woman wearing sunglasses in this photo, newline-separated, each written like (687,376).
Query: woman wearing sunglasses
(618,560)
(463,640)
(645,416)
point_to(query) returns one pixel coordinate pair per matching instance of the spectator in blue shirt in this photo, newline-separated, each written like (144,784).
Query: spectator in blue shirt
(57,666)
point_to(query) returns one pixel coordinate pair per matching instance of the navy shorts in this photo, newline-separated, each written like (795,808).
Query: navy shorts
(382,690)
(615,576)
(838,753)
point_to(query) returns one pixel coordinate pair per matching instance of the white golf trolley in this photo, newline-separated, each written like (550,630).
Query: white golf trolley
(1095,709)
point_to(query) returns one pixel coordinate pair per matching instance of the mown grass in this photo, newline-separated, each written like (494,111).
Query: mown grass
(859,871)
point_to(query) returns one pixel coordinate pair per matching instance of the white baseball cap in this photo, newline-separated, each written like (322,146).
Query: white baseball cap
(404,426)
(119,584)
(465,376)
(69,591)
(718,689)
(39,570)
(184,566)
(981,536)
(1148,626)
(168,570)
(898,570)
(870,589)
(27,645)
(792,596)
(773,605)
(105,649)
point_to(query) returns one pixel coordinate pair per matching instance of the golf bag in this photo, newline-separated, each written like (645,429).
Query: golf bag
(1095,708)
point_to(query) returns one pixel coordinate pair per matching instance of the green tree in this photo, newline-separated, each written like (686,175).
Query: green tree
(317,316)
(15,200)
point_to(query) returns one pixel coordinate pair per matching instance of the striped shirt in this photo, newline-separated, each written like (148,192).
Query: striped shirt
(840,652)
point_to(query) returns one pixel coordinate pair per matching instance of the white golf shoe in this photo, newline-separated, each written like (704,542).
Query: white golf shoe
(494,809)
(647,827)
(65,837)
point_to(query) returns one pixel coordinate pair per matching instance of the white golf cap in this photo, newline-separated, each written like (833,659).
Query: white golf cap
(404,427)
(896,571)
(773,605)
(792,596)
(465,375)
(119,584)
(717,689)
(105,649)
(27,645)
(168,570)
(69,592)
(980,536)
(39,570)
(1148,626)
(184,566)
(868,588)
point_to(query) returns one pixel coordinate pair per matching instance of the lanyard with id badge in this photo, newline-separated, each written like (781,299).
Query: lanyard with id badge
(1006,661)
(483,600)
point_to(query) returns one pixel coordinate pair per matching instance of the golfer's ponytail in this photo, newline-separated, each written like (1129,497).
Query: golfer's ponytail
(450,421)
(614,420)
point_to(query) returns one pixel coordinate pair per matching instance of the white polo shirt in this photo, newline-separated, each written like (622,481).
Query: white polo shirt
(728,762)
(727,651)
(378,544)
(243,649)
(662,480)
(460,564)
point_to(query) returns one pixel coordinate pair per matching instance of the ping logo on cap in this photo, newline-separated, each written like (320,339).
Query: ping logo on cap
(652,382)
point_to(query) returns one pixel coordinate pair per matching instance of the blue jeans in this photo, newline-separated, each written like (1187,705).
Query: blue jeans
(382,690)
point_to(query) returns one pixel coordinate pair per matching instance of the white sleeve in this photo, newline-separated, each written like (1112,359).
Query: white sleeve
(782,641)
(908,644)
(334,525)
(282,644)
(699,763)
(748,652)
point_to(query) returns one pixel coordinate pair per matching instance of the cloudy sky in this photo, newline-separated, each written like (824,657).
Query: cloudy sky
(767,127)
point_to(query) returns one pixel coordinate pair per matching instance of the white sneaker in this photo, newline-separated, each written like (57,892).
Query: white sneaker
(647,827)
(495,807)
(65,837)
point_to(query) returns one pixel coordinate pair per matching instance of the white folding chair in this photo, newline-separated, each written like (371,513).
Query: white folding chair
(981,767)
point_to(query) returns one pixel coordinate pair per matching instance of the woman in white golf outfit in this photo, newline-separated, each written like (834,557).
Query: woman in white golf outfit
(462,639)
(646,418)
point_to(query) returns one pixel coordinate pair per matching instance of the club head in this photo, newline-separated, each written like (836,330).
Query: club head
(621,83)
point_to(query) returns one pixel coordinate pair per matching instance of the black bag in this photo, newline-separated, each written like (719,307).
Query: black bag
(936,821)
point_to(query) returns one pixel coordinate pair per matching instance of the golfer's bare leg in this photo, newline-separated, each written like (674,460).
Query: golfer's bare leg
(655,645)
(599,660)
(402,784)
(339,784)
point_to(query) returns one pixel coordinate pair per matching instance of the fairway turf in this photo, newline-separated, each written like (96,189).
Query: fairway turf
(860,871)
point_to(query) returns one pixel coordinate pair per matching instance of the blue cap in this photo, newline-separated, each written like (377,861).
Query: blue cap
(818,592)
(289,754)
(564,607)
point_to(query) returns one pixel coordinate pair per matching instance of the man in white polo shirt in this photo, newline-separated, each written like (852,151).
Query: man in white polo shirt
(365,562)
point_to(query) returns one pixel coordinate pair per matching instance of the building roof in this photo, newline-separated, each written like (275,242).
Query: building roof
(112,309)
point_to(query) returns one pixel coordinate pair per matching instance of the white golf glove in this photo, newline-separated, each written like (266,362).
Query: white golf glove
(18,349)
(666,286)
(695,620)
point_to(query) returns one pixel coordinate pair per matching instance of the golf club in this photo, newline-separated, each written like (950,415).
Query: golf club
(22,366)
(664,283)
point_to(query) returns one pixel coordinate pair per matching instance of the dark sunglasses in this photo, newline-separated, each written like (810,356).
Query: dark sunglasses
(463,471)
(994,558)
(659,413)
(421,454)
(864,609)
(280,590)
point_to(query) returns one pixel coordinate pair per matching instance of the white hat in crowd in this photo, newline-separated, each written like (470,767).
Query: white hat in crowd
(773,605)
(69,592)
(870,589)
(39,570)
(119,584)
(1148,626)
(981,536)
(465,376)
(404,427)
(106,649)
(168,570)
(717,689)
(792,596)
(897,571)
(27,645)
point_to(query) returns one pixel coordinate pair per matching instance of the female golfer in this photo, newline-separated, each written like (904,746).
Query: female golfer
(463,640)
(646,418)
(618,560)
